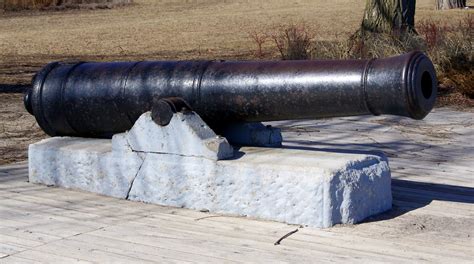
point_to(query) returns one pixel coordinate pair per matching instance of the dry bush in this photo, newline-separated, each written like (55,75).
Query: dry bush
(259,38)
(432,33)
(380,45)
(294,41)
(450,47)
(330,50)
(291,42)
(14,5)
(452,50)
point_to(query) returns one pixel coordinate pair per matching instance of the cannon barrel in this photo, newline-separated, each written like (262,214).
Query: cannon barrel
(99,99)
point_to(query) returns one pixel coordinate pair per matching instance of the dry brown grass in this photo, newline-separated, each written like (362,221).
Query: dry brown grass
(172,29)
(17,129)
(14,5)
(152,29)
(19,5)
(183,29)
(450,47)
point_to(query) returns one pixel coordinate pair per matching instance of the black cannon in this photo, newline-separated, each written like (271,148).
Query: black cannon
(99,99)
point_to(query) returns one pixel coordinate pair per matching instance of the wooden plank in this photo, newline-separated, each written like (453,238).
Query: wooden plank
(87,252)
(17,260)
(142,251)
(94,218)
(7,249)
(366,245)
(18,165)
(54,225)
(434,208)
(25,233)
(221,234)
(19,172)
(75,201)
(22,212)
(174,218)
(210,245)
(19,242)
(403,241)
(45,257)
(431,222)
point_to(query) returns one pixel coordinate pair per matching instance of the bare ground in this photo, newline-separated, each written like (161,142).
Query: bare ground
(18,129)
(153,30)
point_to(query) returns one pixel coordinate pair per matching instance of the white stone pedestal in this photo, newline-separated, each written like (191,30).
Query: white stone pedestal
(185,164)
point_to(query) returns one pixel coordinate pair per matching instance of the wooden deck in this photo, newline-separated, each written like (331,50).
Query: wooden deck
(432,220)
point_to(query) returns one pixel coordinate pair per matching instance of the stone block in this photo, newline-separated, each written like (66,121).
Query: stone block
(176,165)
(313,188)
(185,135)
(85,164)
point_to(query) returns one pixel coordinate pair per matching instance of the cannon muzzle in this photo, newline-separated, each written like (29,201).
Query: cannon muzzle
(99,99)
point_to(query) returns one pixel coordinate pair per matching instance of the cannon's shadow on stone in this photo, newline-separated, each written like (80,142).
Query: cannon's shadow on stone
(237,154)
(336,150)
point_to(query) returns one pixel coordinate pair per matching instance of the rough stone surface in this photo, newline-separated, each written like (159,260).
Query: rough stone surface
(298,186)
(318,189)
(86,164)
(185,135)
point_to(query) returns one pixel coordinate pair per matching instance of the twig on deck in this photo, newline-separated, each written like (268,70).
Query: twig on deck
(206,217)
(285,236)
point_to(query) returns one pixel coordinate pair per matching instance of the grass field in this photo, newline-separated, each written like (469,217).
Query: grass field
(168,29)
(18,5)
(153,29)
(181,29)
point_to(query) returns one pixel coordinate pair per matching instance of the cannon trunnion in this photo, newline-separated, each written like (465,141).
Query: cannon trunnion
(91,99)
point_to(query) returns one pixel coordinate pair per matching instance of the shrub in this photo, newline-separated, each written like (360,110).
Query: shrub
(451,48)
(379,45)
(13,5)
(293,41)
(259,39)
(330,50)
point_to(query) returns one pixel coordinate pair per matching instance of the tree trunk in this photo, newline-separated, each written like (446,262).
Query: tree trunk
(450,4)
(389,15)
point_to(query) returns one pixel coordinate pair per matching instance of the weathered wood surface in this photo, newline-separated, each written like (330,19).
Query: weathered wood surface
(432,220)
